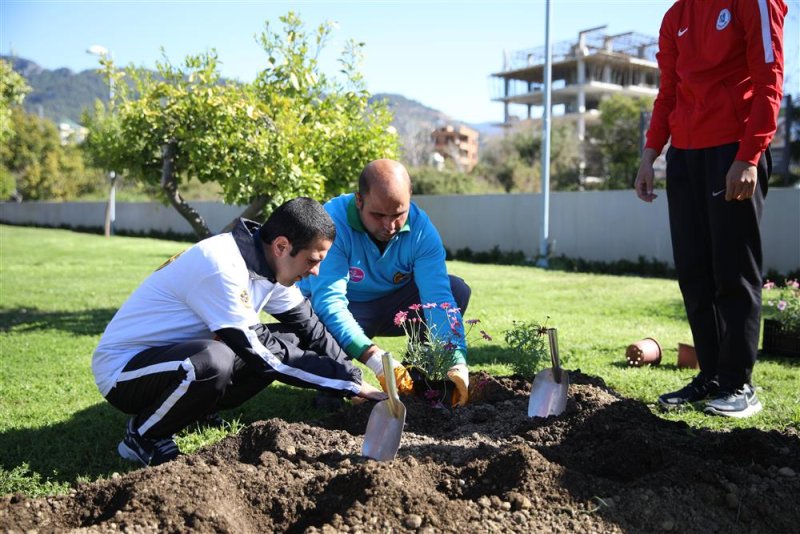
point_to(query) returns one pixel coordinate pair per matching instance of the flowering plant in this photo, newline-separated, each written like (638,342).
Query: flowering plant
(430,351)
(782,304)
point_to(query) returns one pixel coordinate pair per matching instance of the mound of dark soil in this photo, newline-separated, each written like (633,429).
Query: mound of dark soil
(606,465)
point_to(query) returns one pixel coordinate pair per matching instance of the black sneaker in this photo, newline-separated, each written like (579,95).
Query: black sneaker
(698,389)
(136,448)
(739,403)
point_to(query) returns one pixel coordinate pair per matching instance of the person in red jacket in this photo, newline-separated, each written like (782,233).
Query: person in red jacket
(721,64)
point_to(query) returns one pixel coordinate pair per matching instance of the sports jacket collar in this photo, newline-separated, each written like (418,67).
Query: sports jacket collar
(249,243)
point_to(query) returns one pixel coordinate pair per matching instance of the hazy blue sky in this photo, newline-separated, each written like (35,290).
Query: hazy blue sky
(438,52)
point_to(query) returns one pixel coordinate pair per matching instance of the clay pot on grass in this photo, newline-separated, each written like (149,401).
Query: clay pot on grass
(644,352)
(687,358)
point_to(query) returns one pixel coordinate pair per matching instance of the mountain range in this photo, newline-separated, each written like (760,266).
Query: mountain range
(61,95)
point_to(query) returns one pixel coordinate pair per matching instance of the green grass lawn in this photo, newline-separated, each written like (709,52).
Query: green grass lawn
(58,290)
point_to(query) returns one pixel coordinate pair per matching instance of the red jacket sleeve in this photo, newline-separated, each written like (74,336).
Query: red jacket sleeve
(658,133)
(763,24)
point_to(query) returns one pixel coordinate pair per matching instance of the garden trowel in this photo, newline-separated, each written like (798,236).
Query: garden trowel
(385,425)
(550,386)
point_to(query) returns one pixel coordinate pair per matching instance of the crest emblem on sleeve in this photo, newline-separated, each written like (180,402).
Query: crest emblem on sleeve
(723,19)
(244,296)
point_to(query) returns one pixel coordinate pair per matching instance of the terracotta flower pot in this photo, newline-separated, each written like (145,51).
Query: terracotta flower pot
(644,352)
(687,358)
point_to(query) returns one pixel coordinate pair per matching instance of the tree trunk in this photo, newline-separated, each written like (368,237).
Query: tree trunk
(250,212)
(170,186)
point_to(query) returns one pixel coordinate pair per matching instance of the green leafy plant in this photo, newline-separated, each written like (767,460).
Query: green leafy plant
(529,347)
(782,304)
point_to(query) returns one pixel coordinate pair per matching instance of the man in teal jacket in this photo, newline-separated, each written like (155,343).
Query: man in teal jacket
(387,256)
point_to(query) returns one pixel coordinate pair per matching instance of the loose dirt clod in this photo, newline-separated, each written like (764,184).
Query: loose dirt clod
(606,464)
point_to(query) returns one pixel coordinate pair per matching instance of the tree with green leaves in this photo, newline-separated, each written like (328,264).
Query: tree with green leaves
(618,138)
(514,160)
(293,131)
(12,92)
(36,166)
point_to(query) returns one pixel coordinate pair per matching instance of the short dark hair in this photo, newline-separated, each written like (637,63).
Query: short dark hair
(302,221)
(363,181)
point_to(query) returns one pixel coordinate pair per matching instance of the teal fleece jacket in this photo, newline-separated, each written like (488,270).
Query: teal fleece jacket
(355,270)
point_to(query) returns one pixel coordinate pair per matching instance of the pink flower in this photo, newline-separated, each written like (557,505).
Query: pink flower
(472,321)
(794,284)
(769,285)
(455,323)
(782,305)
(415,307)
(429,305)
(485,336)
(400,318)
(444,305)
(416,320)
(449,346)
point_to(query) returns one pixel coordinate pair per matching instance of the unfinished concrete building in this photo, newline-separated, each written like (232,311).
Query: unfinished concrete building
(584,72)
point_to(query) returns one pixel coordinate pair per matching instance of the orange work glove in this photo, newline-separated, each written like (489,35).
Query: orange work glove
(405,384)
(459,375)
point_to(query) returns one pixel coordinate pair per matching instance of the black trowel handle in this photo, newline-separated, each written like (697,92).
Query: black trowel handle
(552,337)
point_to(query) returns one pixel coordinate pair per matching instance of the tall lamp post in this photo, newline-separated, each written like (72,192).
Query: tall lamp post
(545,227)
(111,215)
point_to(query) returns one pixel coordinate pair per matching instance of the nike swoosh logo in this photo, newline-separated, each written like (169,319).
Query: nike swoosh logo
(681,32)
(717,193)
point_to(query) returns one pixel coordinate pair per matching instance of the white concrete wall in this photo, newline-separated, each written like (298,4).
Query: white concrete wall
(137,217)
(593,225)
(596,225)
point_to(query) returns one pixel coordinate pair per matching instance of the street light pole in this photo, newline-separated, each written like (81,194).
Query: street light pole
(108,227)
(545,227)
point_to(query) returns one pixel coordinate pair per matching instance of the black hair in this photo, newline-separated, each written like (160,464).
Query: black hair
(302,221)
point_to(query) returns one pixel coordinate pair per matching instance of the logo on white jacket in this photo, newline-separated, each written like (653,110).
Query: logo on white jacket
(723,19)
(356,274)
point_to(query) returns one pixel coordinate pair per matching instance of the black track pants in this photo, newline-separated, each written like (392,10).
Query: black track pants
(716,246)
(168,388)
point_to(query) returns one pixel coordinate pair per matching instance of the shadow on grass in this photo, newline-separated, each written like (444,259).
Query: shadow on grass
(488,355)
(83,323)
(85,445)
(785,361)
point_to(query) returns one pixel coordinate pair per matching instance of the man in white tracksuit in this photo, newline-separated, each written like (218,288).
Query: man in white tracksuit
(189,340)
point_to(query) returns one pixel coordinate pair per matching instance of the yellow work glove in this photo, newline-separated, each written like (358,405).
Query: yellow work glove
(405,384)
(459,375)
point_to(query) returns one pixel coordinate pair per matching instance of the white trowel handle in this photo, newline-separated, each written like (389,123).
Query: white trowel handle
(552,337)
(391,384)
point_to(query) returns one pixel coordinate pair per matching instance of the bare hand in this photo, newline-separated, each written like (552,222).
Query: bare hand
(372,393)
(645,176)
(741,181)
